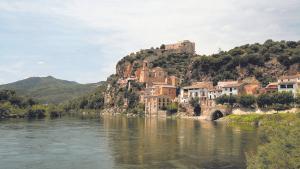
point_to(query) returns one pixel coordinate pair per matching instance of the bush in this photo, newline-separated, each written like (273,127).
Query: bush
(264,100)
(247,100)
(194,101)
(284,98)
(225,99)
(172,108)
(280,145)
(37,111)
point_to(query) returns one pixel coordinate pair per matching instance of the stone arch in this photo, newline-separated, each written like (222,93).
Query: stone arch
(216,114)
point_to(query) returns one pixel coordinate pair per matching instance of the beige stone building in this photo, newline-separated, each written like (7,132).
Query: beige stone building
(182,47)
(158,97)
(150,76)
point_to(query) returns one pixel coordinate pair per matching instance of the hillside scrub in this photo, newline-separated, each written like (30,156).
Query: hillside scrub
(14,106)
(247,60)
(280,146)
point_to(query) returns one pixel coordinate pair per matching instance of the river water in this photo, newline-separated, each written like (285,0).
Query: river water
(119,142)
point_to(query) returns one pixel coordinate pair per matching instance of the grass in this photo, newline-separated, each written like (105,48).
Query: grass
(261,119)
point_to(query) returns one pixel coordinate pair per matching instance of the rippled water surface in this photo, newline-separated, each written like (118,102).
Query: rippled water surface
(119,142)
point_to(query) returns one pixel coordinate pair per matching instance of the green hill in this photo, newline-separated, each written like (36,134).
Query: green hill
(49,89)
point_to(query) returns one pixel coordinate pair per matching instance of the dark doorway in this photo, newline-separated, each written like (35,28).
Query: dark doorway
(197,110)
(216,115)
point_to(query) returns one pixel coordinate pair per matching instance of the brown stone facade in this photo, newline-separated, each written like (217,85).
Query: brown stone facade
(181,47)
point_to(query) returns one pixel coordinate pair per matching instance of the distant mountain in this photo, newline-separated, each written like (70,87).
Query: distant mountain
(49,89)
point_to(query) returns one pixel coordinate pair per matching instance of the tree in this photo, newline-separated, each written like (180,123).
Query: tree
(264,100)
(225,99)
(283,98)
(195,103)
(247,100)
(172,108)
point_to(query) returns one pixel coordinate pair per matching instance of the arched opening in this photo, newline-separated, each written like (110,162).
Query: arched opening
(197,110)
(216,115)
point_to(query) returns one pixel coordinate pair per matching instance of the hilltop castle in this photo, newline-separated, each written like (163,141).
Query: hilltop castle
(185,46)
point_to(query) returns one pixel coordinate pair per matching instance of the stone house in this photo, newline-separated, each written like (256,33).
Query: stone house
(230,87)
(197,89)
(158,97)
(289,84)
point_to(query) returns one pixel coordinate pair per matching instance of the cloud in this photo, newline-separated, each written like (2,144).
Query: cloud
(99,32)
(40,62)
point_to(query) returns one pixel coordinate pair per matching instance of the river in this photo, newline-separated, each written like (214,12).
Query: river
(123,143)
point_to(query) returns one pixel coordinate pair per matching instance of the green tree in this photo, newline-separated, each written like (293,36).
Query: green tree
(172,108)
(247,100)
(283,98)
(225,99)
(264,100)
(195,103)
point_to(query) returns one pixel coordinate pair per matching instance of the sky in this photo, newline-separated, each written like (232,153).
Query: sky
(82,40)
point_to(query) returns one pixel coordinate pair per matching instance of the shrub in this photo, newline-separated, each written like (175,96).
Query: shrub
(172,108)
(37,111)
(247,100)
(264,100)
(225,99)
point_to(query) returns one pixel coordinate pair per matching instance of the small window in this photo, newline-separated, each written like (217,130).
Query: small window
(289,86)
(282,86)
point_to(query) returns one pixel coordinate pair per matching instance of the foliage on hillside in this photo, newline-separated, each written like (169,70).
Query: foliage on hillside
(94,100)
(14,106)
(264,61)
(49,89)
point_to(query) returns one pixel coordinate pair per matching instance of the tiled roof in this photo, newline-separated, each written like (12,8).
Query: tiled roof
(229,84)
(200,85)
(290,77)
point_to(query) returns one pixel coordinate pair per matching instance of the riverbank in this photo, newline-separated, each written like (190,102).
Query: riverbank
(260,119)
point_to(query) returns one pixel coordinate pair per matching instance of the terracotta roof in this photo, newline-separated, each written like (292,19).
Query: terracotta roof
(165,85)
(226,84)
(272,84)
(290,77)
(200,85)
(288,82)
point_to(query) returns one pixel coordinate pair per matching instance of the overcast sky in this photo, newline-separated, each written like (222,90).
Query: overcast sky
(82,40)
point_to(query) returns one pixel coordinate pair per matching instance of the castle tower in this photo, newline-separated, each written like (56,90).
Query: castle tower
(144,76)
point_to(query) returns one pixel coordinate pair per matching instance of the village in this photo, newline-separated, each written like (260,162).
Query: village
(161,90)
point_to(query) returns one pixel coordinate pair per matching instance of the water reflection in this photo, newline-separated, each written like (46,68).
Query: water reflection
(169,143)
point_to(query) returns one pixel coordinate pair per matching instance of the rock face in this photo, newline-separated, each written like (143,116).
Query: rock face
(266,62)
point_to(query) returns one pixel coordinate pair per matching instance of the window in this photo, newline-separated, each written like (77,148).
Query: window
(282,86)
(289,86)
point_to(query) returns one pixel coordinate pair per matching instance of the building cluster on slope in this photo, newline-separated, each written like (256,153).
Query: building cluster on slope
(162,90)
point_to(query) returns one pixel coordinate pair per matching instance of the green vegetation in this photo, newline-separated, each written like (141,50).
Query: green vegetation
(225,99)
(14,106)
(175,64)
(194,102)
(247,100)
(247,60)
(280,146)
(277,100)
(49,90)
(172,108)
(93,101)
